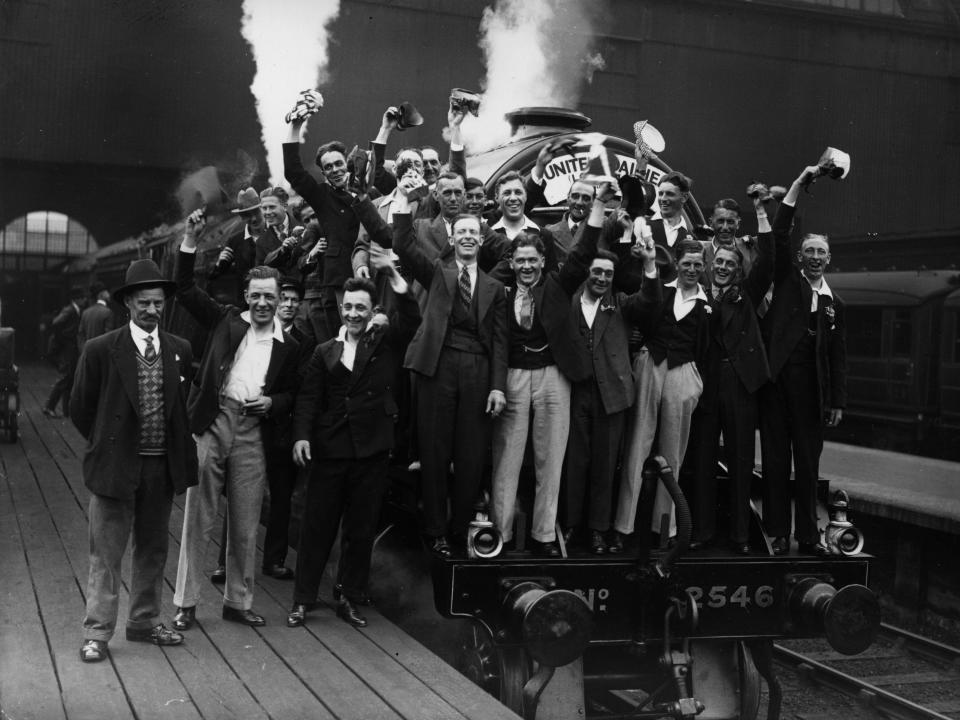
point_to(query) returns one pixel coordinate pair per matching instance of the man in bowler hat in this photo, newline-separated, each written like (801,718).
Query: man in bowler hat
(129,402)
(96,319)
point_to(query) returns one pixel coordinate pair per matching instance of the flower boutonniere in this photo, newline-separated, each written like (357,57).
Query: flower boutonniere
(707,309)
(831,315)
(608,308)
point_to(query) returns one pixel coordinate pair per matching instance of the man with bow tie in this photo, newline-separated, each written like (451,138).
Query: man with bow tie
(343,425)
(733,370)
(806,345)
(129,402)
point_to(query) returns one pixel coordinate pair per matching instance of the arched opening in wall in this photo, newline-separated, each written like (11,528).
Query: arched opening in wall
(34,250)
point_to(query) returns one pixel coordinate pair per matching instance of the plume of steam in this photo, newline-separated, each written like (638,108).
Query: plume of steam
(289,43)
(537,52)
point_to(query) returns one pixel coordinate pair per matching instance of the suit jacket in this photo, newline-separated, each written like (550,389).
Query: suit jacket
(336,212)
(562,237)
(351,414)
(787,320)
(268,249)
(63,345)
(105,408)
(440,278)
(385,181)
(653,316)
(94,321)
(629,277)
(227,330)
(739,328)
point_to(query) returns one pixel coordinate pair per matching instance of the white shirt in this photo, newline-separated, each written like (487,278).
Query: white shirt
(589,308)
(671,231)
(349,348)
(528,224)
(471,273)
(139,336)
(249,371)
(682,306)
(102,302)
(821,288)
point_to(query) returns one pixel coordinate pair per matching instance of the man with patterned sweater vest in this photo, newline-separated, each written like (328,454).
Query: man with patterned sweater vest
(804,332)
(600,320)
(459,353)
(243,389)
(344,424)
(676,336)
(129,402)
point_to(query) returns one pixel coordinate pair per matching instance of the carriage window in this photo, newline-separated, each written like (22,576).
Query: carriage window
(902,331)
(863,331)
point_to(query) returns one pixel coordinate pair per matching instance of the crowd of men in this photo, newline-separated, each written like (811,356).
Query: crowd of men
(398,316)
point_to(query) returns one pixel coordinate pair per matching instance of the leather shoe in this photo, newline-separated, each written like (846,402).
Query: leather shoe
(615,542)
(158,635)
(298,613)
(93,651)
(279,572)
(597,544)
(219,576)
(440,547)
(813,549)
(548,549)
(780,546)
(363,599)
(185,618)
(346,611)
(51,413)
(740,548)
(244,617)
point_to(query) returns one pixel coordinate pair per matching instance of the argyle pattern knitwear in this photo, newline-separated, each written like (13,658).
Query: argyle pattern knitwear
(153,438)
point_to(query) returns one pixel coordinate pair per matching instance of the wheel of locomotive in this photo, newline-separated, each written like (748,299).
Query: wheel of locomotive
(501,671)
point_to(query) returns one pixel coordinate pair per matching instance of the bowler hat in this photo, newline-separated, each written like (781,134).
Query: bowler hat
(247,201)
(143,274)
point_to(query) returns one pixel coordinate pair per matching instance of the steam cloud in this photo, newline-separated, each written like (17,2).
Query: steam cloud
(537,52)
(289,45)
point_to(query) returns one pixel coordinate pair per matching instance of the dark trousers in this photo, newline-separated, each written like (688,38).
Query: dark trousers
(732,412)
(147,513)
(66,369)
(351,490)
(592,451)
(790,421)
(281,477)
(453,425)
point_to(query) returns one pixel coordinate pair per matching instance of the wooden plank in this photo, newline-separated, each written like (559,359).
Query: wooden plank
(91,691)
(27,672)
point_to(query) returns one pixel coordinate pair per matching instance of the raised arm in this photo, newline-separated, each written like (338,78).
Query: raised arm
(195,300)
(758,280)
(383,179)
(412,257)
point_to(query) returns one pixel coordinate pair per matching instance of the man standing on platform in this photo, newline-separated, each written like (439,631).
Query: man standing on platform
(243,390)
(804,334)
(129,402)
(96,319)
(63,351)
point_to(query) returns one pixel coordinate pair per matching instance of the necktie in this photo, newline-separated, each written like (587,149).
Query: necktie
(526,310)
(464,283)
(149,352)
(573,230)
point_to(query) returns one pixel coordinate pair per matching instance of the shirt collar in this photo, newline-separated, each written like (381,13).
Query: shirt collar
(343,337)
(277,325)
(102,302)
(471,268)
(528,224)
(138,333)
(701,295)
(824,289)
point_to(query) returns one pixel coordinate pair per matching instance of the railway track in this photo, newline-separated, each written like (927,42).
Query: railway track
(904,676)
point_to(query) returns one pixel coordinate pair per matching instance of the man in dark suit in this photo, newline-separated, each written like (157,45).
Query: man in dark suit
(600,321)
(96,319)
(243,390)
(129,402)
(725,222)
(460,356)
(734,368)
(804,332)
(239,254)
(277,246)
(564,231)
(343,422)
(64,352)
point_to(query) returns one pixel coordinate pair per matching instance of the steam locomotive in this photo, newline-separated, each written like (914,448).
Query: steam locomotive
(656,632)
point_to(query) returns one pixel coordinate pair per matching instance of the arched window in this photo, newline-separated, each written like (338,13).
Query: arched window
(43,239)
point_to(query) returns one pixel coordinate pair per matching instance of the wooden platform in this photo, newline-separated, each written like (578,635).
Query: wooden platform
(325,670)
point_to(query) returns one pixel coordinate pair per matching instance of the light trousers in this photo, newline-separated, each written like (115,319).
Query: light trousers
(539,397)
(231,456)
(666,399)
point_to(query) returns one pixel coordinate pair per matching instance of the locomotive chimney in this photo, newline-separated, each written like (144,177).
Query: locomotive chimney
(531,121)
